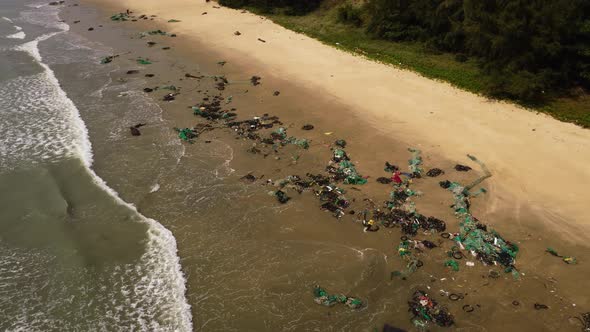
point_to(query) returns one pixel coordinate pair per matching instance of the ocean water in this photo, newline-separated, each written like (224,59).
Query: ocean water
(73,254)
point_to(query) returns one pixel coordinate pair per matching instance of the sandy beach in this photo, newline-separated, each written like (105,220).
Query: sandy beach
(249,262)
(534,158)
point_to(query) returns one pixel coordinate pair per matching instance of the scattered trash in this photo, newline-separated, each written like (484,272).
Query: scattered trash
(255,80)
(142,61)
(566,259)
(452,264)
(539,306)
(340,143)
(237,33)
(426,310)
(435,172)
(307,127)
(462,168)
(248,178)
(468,308)
(455,297)
(261,40)
(151,43)
(166,47)
(488,246)
(384,180)
(130,72)
(282,196)
(148,90)
(108,59)
(120,17)
(186,134)
(173,21)
(149,75)
(470,263)
(389,168)
(169,97)
(345,170)
(585,320)
(415,162)
(323,298)
(135,131)
(90,29)
(276,93)
(515,303)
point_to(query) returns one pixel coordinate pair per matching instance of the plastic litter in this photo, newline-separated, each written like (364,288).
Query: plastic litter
(539,306)
(452,264)
(142,61)
(307,127)
(566,259)
(434,172)
(186,134)
(462,168)
(344,170)
(120,17)
(282,196)
(322,297)
(173,21)
(427,310)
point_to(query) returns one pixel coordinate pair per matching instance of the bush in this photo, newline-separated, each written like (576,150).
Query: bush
(349,14)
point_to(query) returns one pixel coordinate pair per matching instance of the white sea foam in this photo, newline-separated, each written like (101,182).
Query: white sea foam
(6,19)
(18,28)
(18,35)
(162,284)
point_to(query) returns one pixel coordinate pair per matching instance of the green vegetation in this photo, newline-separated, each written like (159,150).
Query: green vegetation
(535,53)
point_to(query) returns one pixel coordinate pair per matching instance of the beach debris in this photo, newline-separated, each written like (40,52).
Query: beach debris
(221,63)
(149,75)
(276,93)
(169,97)
(204,13)
(173,21)
(462,168)
(340,143)
(143,61)
(389,168)
(585,320)
(384,180)
(452,264)
(261,40)
(133,71)
(151,43)
(153,33)
(539,306)
(307,127)
(91,29)
(255,80)
(108,59)
(342,169)
(282,196)
(322,297)
(426,310)
(120,17)
(415,162)
(248,178)
(56,3)
(434,172)
(186,134)
(566,259)
(135,129)
(237,33)
(487,246)
(389,328)
(148,90)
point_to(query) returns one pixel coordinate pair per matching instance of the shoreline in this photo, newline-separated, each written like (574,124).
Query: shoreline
(370,145)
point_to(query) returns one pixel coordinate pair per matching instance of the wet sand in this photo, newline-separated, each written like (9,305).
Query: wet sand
(260,258)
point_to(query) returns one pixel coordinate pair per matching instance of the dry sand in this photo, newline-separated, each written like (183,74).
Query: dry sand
(536,160)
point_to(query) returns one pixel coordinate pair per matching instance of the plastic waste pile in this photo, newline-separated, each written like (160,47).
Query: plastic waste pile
(426,310)
(322,297)
(186,134)
(343,169)
(415,162)
(120,17)
(488,246)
